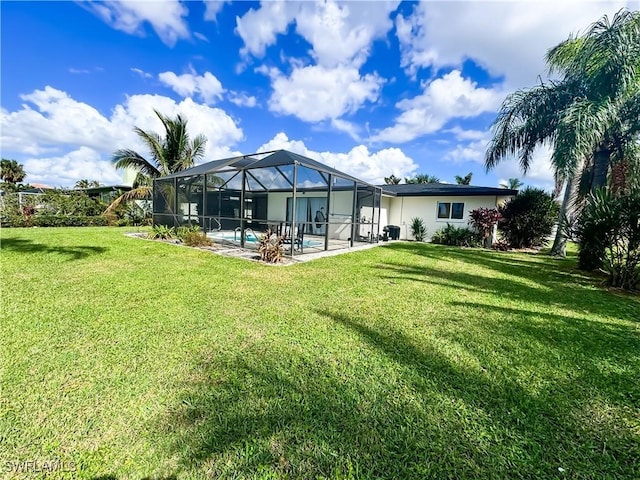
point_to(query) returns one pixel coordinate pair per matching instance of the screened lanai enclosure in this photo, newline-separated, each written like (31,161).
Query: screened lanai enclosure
(235,200)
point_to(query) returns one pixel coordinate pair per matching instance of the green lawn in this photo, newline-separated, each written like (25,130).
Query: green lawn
(127,358)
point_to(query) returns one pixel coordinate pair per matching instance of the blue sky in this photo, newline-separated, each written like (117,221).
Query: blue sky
(371,88)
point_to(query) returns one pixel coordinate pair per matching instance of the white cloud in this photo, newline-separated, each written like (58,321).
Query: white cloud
(507,38)
(65,170)
(358,162)
(259,28)
(212,9)
(540,173)
(53,128)
(141,73)
(167,18)
(316,93)
(206,86)
(242,99)
(201,36)
(340,32)
(471,152)
(443,99)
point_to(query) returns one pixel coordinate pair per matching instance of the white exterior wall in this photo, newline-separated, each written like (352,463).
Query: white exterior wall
(403,209)
(385,208)
(339,215)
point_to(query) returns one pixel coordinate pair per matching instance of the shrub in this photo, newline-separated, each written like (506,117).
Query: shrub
(456,236)
(183,231)
(70,202)
(162,232)
(500,245)
(483,220)
(418,229)
(270,247)
(197,239)
(528,218)
(48,220)
(608,233)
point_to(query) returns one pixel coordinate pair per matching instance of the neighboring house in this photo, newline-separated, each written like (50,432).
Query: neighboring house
(437,204)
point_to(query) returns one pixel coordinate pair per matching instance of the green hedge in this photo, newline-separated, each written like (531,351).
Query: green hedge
(56,221)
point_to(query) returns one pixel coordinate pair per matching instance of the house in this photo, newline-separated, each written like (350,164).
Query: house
(436,204)
(312,204)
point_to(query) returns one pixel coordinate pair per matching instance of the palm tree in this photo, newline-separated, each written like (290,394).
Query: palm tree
(512,184)
(11,171)
(173,153)
(84,183)
(466,180)
(392,180)
(422,178)
(588,117)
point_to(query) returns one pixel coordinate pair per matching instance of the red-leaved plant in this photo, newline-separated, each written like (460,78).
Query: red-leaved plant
(484,220)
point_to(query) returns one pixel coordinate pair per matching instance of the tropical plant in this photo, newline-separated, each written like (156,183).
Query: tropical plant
(484,220)
(528,218)
(608,234)
(588,116)
(466,180)
(512,184)
(11,171)
(69,202)
(418,229)
(162,232)
(173,153)
(456,236)
(270,247)
(392,180)
(84,183)
(422,178)
(184,230)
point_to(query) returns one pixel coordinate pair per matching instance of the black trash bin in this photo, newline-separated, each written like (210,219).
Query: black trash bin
(394,231)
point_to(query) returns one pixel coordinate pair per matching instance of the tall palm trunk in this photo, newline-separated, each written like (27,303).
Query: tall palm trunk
(567,209)
(601,161)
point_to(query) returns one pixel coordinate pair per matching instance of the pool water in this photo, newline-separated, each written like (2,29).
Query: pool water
(250,239)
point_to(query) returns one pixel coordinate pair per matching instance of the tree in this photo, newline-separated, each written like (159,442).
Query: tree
(588,116)
(392,180)
(11,171)
(422,178)
(173,153)
(84,183)
(528,218)
(512,184)
(466,180)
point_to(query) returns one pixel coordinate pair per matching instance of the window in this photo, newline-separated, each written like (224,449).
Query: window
(448,210)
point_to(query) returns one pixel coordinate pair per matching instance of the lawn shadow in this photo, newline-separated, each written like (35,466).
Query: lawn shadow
(552,285)
(543,265)
(20,245)
(297,414)
(584,345)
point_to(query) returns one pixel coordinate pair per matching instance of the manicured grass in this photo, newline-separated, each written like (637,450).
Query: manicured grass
(133,358)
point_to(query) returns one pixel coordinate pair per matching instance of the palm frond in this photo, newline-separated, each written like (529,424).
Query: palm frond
(140,193)
(153,141)
(125,158)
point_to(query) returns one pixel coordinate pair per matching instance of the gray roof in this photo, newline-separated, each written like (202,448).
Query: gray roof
(262,160)
(442,189)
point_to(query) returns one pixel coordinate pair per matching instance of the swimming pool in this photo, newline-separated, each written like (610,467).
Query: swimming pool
(233,236)
(250,240)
